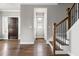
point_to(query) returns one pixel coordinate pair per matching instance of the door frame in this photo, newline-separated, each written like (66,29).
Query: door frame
(45,24)
(6,17)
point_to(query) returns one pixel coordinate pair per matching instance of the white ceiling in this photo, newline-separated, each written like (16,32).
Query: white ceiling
(16,6)
(9,6)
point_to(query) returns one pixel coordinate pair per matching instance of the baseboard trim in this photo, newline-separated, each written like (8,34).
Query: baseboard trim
(8,39)
(50,39)
(71,54)
(48,43)
(3,39)
(26,42)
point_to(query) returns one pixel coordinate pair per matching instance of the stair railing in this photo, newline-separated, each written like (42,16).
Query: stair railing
(63,26)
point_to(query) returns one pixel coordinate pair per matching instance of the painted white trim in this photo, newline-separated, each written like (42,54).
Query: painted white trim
(50,39)
(26,42)
(39,4)
(71,54)
(3,38)
(77,10)
(6,39)
(10,10)
(50,45)
(18,25)
(5,27)
(45,21)
(45,24)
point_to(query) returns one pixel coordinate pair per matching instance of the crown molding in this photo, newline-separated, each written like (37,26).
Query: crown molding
(10,10)
(39,3)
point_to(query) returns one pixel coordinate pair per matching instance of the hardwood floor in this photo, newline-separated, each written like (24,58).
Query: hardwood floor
(13,48)
(41,48)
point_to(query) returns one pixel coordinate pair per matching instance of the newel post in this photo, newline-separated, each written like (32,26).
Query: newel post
(69,18)
(54,39)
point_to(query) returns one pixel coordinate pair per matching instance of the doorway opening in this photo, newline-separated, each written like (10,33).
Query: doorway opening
(40,23)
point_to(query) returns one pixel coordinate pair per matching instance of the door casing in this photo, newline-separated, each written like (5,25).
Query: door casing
(45,22)
(5,32)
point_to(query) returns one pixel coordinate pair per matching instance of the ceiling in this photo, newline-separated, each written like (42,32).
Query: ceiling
(9,6)
(16,6)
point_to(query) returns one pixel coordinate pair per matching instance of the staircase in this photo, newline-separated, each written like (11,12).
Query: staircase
(60,42)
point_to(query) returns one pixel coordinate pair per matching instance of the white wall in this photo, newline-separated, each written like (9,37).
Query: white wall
(55,13)
(4,27)
(0,25)
(73,36)
(10,13)
(5,15)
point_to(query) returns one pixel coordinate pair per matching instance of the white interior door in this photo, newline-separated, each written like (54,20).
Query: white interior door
(40,22)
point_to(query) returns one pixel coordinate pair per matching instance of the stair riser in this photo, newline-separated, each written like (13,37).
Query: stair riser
(60,38)
(64,51)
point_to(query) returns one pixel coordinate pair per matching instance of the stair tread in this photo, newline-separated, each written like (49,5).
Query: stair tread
(61,54)
(61,42)
(63,37)
(57,47)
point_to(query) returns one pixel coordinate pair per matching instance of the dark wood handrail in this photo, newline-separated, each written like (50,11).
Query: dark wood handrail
(62,21)
(54,37)
(69,15)
(72,7)
(68,18)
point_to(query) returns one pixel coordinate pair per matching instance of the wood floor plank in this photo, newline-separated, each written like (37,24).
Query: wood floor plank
(13,48)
